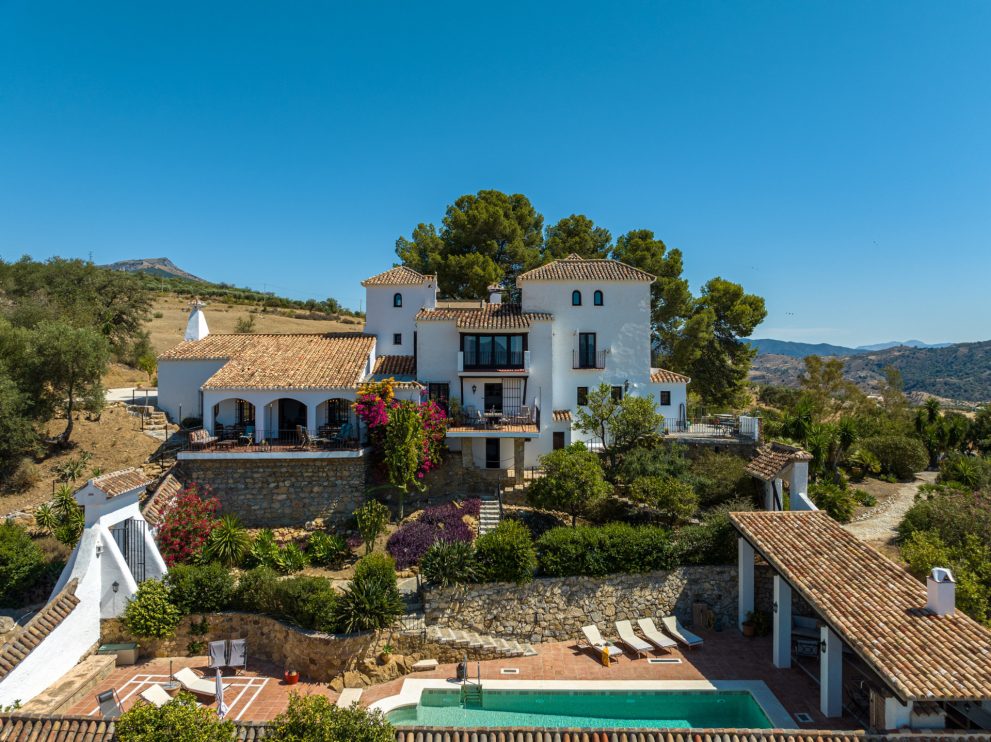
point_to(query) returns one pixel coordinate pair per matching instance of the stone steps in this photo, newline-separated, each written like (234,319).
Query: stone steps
(489,515)
(473,640)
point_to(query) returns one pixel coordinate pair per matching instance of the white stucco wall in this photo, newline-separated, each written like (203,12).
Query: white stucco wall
(382,319)
(179,385)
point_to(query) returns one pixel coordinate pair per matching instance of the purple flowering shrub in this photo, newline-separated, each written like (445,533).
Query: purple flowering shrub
(410,542)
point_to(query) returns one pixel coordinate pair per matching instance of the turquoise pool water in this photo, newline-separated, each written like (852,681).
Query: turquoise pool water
(585,709)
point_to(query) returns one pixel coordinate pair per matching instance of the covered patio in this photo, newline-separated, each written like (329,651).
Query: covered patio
(920,662)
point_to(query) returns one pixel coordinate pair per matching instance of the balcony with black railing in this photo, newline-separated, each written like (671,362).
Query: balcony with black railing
(588,359)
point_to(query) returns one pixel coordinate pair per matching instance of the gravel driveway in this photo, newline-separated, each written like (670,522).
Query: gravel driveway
(880,527)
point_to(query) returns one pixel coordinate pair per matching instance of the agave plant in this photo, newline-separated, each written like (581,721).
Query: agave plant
(326,549)
(45,518)
(264,552)
(290,559)
(228,542)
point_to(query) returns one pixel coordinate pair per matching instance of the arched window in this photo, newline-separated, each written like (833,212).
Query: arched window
(597,298)
(397,300)
(576,298)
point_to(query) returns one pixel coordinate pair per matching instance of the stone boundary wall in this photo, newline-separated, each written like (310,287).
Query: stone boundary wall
(281,492)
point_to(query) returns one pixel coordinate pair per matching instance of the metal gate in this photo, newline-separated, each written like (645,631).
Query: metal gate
(130,539)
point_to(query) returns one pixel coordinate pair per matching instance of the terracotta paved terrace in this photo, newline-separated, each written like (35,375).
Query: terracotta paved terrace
(260,693)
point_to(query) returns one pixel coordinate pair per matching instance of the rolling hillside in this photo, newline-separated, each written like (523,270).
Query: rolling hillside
(961,371)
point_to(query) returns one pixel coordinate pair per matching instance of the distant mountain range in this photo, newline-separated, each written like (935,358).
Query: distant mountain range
(767,346)
(155,267)
(957,371)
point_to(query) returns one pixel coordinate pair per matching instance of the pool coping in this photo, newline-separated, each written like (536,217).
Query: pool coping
(412,688)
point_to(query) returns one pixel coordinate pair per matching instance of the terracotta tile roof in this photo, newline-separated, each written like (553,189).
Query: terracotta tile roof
(875,606)
(38,728)
(35,631)
(485,317)
(398,276)
(118,482)
(305,361)
(561,416)
(663,376)
(576,268)
(772,457)
(395,366)
(163,496)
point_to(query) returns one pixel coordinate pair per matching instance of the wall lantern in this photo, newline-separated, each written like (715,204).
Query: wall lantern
(115,587)
(474,388)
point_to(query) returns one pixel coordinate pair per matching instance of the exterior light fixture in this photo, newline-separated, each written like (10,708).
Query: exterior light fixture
(99,549)
(115,587)
(474,388)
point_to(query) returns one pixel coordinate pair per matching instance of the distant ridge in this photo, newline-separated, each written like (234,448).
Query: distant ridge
(155,267)
(768,346)
(905,343)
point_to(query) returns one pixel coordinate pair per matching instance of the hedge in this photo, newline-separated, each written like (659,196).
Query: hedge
(594,552)
(899,455)
(505,554)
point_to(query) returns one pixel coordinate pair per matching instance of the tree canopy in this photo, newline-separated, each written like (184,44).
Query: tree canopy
(492,237)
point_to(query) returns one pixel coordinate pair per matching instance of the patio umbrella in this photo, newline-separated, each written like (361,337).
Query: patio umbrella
(221,706)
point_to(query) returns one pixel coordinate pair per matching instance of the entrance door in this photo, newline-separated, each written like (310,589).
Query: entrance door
(493,397)
(558,439)
(291,414)
(492,452)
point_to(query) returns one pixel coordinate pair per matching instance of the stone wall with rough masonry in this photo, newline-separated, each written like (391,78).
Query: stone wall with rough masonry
(555,609)
(281,492)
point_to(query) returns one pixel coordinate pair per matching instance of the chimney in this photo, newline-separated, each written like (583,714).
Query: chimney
(196,328)
(495,294)
(941,591)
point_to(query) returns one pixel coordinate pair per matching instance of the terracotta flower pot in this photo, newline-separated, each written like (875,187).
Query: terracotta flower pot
(749,629)
(291,677)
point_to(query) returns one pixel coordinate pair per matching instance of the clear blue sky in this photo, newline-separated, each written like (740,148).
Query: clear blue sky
(833,157)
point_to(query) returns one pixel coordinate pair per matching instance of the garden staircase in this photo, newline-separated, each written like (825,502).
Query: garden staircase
(488,515)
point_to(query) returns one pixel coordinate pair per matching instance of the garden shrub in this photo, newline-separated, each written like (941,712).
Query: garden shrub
(151,613)
(186,525)
(371,518)
(265,552)
(371,600)
(664,460)
(257,591)
(315,718)
(327,549)
(673,499)
(449,563)
(952,513)
(180,720)
(291,559)
(505,554)
(969,560)
(309,602)
(538,522)
(609,549)
(573,482)
(899,455)
(228,542)
(713,541)
(971,472)
(410,542)
(718,477)
(838,501)
(200,589)
(21,563)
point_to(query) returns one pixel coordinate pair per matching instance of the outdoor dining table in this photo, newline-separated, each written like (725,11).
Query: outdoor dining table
(493,418)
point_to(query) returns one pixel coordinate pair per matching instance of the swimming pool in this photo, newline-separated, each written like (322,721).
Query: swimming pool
(681,709)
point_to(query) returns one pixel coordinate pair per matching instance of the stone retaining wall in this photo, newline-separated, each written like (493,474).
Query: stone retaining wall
(555,609)
(281,492)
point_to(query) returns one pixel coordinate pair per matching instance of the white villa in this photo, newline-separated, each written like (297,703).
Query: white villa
(513,373)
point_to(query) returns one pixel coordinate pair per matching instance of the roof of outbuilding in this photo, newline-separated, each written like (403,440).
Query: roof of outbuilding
(401,275)
(772,457)
(576,268)
(876,607)
(34,632)
(164,495)
(663,376)
(119,482)
(485,317)
(561,416)
(330,360)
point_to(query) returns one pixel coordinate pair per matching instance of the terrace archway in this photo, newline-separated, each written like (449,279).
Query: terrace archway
(233,416)
(291,412)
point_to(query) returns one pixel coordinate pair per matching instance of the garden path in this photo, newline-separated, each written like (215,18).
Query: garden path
(880,528)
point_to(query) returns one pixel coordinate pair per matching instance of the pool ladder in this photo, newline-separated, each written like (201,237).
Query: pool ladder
(471,692)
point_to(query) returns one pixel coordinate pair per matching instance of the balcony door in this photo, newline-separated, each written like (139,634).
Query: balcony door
(586,350)
(493,397)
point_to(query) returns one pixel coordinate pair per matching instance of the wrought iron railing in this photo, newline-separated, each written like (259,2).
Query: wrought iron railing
(262,441)
(587,359)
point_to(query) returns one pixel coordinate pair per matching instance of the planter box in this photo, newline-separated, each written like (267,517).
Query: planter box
(127,653)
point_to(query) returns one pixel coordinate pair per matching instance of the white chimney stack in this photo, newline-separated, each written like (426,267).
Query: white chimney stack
(941,591)
(196,328)
(495,294)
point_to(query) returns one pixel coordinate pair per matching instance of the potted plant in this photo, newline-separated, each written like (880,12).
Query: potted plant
(749,626)
(290,676)
(385,654)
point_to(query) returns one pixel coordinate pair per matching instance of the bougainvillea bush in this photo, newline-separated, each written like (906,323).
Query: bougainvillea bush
(187,524)
(441,523)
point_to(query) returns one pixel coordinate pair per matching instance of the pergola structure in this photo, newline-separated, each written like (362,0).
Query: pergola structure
(907,634)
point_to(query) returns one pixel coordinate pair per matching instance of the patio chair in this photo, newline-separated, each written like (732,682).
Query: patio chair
(343,435)
(678,632)
(155,695)
(247,437)
(238,658)
(627,637)
(594,640)
(109,703)
(218,654)
(524,417)
(655,637)
(197,685)
(200,438)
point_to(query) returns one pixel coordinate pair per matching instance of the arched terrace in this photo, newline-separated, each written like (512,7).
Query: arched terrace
(234,418)
(335,419)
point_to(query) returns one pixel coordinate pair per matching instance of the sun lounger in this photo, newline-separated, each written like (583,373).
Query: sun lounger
(594,639)
(655,637)
(238,655)
(155,695)
(627,637)
(218,654)
(674,628)
(195,684)
(109,703)
(348,697)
